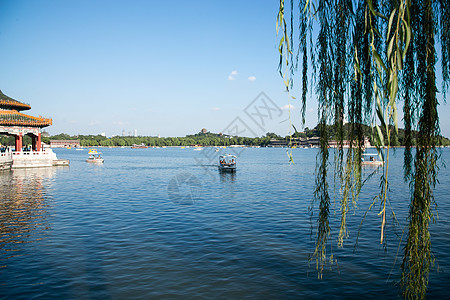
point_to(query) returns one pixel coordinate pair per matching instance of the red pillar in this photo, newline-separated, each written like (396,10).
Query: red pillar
(33,142)
(19,142)
(38,144)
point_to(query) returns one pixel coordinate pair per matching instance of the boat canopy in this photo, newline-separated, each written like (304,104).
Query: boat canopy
(227,156)
(93,151)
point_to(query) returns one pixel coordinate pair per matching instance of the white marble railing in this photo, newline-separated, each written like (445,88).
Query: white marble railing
(7,153)
(31,153)
(31,159)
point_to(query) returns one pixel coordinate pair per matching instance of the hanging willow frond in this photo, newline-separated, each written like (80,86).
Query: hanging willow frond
(365,56)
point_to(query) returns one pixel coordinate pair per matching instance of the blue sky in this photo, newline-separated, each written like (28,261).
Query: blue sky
(168,68)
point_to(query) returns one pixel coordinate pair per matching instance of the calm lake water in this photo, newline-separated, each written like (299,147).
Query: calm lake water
(164,223)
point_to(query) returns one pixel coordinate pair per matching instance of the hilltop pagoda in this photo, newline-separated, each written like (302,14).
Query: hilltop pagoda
(17,124)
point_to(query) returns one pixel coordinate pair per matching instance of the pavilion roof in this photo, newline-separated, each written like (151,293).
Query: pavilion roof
(15,118)
(10,103)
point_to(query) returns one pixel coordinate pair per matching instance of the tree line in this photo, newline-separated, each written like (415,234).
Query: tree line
(204,139)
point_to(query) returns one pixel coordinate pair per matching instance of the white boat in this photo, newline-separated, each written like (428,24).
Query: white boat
(370,159)
(141,146)
(94,156)
(227,163)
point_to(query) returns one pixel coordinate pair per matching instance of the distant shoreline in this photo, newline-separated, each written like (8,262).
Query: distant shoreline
(306,138)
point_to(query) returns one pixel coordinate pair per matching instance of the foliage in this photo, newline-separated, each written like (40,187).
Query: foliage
(212,139)
(208,139)
(368,57)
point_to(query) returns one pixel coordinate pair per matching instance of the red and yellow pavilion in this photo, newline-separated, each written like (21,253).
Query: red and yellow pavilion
(17,124)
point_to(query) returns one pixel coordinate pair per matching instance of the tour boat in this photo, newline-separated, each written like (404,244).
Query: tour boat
(370,159)
(227,163)
(94,156)
(141,146)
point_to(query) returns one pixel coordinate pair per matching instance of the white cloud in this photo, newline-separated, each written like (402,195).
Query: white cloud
(252,78)
(232,75)
(288,106)
(215,108)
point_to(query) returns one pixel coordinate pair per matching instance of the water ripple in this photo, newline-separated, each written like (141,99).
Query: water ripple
(113,231)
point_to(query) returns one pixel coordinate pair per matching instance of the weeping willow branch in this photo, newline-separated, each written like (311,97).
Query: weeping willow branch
(389,55)
(398,38)
(417,257)
(321,195)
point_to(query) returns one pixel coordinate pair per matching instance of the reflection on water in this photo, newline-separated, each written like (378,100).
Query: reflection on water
(227,177)
(117,231)
(32,173)
(23,209)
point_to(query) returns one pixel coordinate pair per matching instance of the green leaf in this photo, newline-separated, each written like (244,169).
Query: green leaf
(395,117)
(380,116)
(393,90)
(391,19)
(390,46)
(408,39)
(399,60)
(280,46)
(379,60)
(380,136)
(375,13)
(379,109)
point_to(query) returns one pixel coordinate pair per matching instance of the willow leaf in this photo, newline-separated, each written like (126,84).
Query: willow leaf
(395,117)
(391,19)
(379,109)
(280,46)
(399,59)
(379,60)
(375,13)
(408,39)
(390,46)
(380,136)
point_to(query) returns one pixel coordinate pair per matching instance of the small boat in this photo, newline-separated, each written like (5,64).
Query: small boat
(141,146)
(227,163)
(370,159)
(61,162)
(94,156)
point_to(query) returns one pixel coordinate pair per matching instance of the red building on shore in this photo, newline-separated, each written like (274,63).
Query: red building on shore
(15,123)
